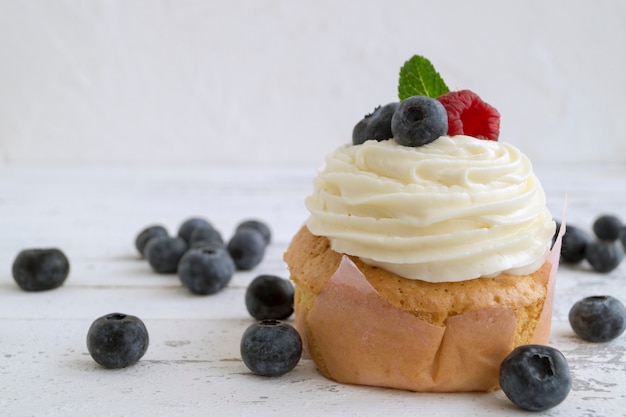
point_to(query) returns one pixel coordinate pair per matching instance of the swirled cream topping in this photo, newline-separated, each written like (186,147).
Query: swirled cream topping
(455,209)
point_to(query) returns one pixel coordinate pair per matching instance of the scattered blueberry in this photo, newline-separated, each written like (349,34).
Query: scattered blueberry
(607,227)
(206,269)
(259,226)
(117,340)
(163,253)
(270,348)
(598,318)
(622,237)
(205,234)
(269,297)
(604,256)
(247,248)
(189,225)
(376,125)
(146,234)
(535,377)
(40,269)
(574,244)
(418,121)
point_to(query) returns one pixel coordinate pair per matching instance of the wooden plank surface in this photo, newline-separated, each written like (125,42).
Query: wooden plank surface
(193,366)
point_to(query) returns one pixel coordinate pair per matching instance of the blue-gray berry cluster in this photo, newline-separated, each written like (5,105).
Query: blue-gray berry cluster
(603,249)
(414,121)
(596,318)
(198,254)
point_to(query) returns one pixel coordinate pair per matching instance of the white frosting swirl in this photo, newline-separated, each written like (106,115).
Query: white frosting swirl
(455,209)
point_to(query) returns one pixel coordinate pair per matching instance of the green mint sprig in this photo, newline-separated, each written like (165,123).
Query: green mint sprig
(419,78)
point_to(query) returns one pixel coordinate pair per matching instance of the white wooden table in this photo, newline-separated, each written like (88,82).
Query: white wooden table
(193,367)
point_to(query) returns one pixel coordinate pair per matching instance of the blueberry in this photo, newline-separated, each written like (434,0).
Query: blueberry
(604,256)
(247,248)
(607,227)
(574,244)
(40,269)
(117,340)
(164,252)
(535,377)
(259,226)
(269,297)
(622,237)
(205,234)
(146,234)
(598,318)
(418,121)
(376,125)
(206,269)
(270,348)
(189,225)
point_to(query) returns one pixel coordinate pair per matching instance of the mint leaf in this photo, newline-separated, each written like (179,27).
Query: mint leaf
(419,78)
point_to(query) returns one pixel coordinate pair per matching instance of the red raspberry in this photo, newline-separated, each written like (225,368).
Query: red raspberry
(469,115)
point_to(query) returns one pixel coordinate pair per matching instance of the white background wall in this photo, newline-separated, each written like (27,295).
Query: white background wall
(283,82)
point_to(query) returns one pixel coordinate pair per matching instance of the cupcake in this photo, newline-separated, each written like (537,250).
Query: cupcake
(427,257)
